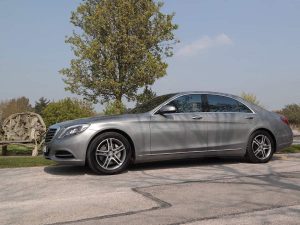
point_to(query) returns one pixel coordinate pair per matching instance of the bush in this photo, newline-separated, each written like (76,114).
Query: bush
(67,109)
(114,108)
(292,112)
(250,98)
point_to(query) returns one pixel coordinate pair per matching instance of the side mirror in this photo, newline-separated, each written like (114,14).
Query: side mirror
(167,109)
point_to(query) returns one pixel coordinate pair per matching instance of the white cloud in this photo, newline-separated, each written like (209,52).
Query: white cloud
(204,43)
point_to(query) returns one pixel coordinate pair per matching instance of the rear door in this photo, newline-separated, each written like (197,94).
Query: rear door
(183,131)
(229,123)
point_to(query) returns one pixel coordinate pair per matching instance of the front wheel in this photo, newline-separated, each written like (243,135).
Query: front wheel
(260,147)
(109,153)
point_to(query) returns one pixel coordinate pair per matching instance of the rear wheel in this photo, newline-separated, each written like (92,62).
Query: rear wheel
(109,153)
(260,147)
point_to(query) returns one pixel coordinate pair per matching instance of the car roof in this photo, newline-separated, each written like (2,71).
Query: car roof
(206,92)
(251,106)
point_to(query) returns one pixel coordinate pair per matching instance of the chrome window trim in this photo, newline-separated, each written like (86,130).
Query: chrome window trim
(155,110)
(252,111)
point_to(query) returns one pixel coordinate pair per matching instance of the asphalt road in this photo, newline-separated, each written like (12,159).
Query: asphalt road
(202,191)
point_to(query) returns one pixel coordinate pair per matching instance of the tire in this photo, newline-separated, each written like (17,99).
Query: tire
(257,152)
(109,153)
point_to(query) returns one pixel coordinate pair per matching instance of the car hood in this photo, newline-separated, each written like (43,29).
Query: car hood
(96,119)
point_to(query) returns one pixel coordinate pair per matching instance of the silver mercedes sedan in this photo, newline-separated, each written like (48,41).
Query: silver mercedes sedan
(172,126)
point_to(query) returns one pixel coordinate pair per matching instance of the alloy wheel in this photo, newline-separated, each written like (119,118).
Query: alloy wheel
(261,146)
(110,154)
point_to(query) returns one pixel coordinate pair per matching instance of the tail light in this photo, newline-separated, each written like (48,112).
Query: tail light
(284,119)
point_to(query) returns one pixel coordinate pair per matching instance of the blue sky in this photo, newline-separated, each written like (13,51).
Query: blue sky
(226,46)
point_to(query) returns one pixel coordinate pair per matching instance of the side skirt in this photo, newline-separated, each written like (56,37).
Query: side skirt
(191,154)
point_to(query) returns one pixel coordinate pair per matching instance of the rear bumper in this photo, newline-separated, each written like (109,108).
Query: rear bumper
(282,146)
(285,139)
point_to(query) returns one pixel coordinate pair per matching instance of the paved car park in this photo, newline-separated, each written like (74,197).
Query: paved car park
(199,191)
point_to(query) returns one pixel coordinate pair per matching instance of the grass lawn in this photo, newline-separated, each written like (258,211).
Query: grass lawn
(291,149)
(14,150)
(20,156)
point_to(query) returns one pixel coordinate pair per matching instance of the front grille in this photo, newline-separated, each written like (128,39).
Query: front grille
(50,134)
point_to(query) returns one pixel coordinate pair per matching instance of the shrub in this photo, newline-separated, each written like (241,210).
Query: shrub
(67,109)
(292,112)
(250,98)
(114,108)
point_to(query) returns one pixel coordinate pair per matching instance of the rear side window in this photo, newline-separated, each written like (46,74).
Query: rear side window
(188,103)
(244,108)
(218,103)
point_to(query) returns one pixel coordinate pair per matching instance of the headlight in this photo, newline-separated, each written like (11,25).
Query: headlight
(73,130)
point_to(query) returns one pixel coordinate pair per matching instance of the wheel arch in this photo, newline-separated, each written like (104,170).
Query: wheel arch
(116,131)
(269,132)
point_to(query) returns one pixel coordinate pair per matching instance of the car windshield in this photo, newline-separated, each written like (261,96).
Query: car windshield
(152,104)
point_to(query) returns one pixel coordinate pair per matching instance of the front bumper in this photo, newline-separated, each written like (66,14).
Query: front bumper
(69,150)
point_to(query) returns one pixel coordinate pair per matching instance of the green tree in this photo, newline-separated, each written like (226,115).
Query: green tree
(146,96)
(40,105)
(15,105)
(251,98)
(292,112)
(67,109)
(120,46)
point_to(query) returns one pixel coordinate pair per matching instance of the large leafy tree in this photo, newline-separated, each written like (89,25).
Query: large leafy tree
(15,105)
(120,46)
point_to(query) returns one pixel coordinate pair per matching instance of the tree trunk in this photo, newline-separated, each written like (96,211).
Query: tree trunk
(119,104)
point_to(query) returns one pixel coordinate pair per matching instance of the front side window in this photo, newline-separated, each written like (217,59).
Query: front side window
(150,105)
(217,103)
(188,103)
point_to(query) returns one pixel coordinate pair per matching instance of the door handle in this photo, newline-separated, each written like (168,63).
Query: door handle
(249,118)
(197,117)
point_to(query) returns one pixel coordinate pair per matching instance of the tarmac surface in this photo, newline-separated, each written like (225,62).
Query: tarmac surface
(198,191)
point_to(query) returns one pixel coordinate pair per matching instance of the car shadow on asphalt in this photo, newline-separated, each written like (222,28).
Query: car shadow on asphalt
(68,170)
(186,163)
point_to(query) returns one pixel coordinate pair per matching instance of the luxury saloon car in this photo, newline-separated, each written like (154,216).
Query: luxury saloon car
(172,126)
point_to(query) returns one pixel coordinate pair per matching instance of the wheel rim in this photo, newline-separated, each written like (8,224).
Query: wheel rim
(261,146)
(110,154)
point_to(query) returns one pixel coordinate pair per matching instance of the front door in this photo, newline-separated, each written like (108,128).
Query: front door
(180,132)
